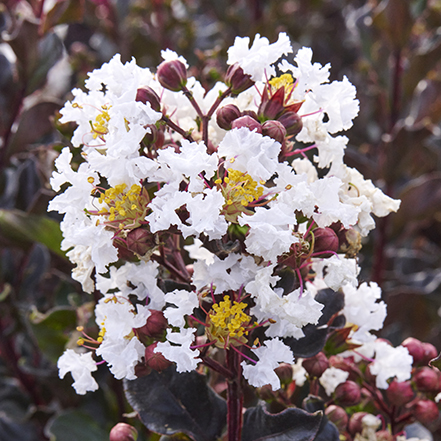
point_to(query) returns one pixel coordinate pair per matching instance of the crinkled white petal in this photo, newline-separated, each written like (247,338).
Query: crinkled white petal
(331,378)
(185,303)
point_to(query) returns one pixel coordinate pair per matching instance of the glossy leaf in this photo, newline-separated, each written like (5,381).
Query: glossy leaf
(75,426)
(51,329)
(23,229)
(169,402)
(290,425)
(328,431)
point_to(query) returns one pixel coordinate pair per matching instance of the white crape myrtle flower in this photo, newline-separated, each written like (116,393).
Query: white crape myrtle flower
(362,309)
(138,278)
(299,374)
(185,302)
(256,60)
(180,352)
(272,353)
(331,378)
(250,152)
(290,312)
(122,355)
(390,362)
(337,271)
(81,366)
(198,252)
(229,274)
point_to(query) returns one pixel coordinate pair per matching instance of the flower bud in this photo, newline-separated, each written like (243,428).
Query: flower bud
(172,75)
(400,393)
(271,107)
(292,122)
(430,352)
(325,239)
(275,130)
(425,411)
(155,326)
(355,425)
(237,80)
(315,366)
(415,348)
(384,435)
(140,241)
(155,360)
(148,95)
(427,379)
(266,393)
(123,432)
(247,121)
(338,416)
(347,393)
(284,372)
(226,115)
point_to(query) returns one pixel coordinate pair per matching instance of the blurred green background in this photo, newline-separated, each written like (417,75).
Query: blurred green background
(389,49)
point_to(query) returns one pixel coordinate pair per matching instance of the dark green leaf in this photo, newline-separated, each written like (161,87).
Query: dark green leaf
(290,425)
(169,403)
(51,329)
(75,426)
(328,431)
(23,229)
(34,123)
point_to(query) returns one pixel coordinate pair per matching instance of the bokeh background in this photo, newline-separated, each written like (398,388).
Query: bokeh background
(389,49)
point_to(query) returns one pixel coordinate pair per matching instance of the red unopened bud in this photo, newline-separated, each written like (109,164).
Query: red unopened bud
(247,121)
(427,379)
(430,352)
(347,393)
(400,393)
(226,115)
(266,393)
(155,360)
(275,130)
(315,366)
(141,241)
(271,107)
(338,416)
(123,432)
(172,75)
(384,435)
(355,425)
(415,348)
(292,122)
(284,372)
(425,411)
(237,80)
(148,95)
(325,239)
(155,326)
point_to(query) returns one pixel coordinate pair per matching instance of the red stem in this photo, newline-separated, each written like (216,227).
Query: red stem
(234,397)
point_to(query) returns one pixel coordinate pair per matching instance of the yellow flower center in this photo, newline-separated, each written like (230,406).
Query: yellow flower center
(239,190)
(286,81)
(228,323)
(126,209)
(101,123)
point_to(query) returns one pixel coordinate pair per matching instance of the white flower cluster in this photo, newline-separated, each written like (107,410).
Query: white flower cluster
(145,185)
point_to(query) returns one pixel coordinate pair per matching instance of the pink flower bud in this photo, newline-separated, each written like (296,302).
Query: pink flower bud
(430,352)
(237,80)
(148,95)
(140,241)
(315,366)
(427,379)
(400,393)
(384,435)
(284,372)
(338,416)
(292,122)
(275,130)
(172,75)
(155,326)
(415,348)
(246,121)
(425,411)
(155,360)
(325,239)
(347,393)
(123,432)
(226,115)
(355,425)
